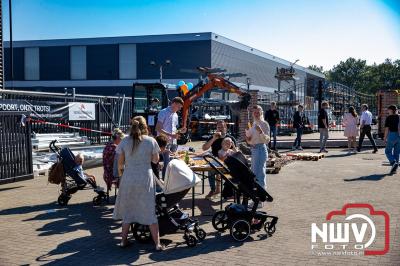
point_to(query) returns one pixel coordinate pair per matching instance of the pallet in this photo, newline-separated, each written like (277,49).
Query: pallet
(273,170)
(306,156)
(271,162)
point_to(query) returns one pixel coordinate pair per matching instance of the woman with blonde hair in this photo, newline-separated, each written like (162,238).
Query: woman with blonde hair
(257,136)
(136,197)
(142,125)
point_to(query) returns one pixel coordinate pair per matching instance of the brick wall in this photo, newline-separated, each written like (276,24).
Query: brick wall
(386,98)
(244,115)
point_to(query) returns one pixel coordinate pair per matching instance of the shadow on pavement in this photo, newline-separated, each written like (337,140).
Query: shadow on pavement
(99,246)
(215,242)
(9,188)
(374,177)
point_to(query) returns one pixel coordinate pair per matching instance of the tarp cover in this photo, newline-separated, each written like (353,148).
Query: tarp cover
(178,177)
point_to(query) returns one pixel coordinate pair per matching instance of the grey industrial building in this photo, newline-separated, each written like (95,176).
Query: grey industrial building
(111,65)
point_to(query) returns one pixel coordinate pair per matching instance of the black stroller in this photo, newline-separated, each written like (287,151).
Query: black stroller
(179,179)
(74,180)
(237,217)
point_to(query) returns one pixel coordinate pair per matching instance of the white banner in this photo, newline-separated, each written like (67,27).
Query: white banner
(82,111)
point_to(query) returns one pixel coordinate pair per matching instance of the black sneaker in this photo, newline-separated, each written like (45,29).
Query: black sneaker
(358,149)
(393,170)
(375,151)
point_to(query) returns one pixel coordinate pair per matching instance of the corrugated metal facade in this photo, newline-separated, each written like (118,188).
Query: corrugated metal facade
(185,51)
(260,70)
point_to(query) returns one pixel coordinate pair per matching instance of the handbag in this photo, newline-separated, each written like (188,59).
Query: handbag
(56,173)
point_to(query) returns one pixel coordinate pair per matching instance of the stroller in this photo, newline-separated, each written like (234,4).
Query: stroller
(237,217)
(179,179)
(74,180)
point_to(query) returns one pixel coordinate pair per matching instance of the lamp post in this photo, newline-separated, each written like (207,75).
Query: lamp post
(161,66)
(248,82)
(11,46)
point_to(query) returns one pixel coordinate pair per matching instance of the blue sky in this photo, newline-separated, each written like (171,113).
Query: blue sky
(314,31)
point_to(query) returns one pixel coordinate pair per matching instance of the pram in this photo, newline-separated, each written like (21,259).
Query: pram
(74,180)
(179,179)
(237,217)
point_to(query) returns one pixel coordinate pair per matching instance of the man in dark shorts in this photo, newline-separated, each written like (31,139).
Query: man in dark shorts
(215,143)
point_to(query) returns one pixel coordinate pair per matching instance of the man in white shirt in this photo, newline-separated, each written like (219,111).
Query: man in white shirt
(365,128)
(167,123)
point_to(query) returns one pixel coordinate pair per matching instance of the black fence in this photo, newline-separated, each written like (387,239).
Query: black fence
(15,147)
(340,98)
(111,112)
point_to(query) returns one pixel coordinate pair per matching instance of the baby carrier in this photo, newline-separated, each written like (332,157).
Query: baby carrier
(179,179)
(74,178)
(237,217)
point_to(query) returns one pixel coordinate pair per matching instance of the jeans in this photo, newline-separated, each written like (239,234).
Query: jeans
(392,149)
(259,157)
(366,130)
(297,141)
(323,137)
(273,133)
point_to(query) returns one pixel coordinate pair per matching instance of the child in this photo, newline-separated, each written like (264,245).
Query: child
(91,179)
(162,142)
(228,148)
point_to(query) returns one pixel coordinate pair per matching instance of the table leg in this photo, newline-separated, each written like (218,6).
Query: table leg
(202,182)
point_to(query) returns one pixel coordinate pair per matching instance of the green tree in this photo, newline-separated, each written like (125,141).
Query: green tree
(319,69)
(350,72)
(357,74)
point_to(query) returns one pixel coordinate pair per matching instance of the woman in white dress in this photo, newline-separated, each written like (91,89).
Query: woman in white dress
(350,121)
(136,196)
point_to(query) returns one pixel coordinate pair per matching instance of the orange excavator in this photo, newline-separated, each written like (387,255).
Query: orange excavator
(213,80)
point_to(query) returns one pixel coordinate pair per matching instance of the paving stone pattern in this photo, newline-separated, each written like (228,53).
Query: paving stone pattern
(34,230)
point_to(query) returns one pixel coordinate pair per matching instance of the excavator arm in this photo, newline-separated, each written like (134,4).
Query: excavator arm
(213,81)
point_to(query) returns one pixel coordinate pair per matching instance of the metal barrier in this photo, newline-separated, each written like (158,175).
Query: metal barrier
(340,98)
(111,112)
(15,147)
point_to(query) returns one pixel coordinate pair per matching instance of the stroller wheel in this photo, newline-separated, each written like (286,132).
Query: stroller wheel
(63,200)
(191,240)
(97,200)
(141,233)
(220,221)
(201,234)
(240,230)
(269,230)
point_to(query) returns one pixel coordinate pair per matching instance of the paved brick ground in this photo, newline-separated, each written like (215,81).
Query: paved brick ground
(34,230)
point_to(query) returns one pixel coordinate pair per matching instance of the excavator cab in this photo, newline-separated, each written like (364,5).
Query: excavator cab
(148,99)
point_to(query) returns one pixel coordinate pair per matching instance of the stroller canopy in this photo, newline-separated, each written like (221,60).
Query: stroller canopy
(178,177)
